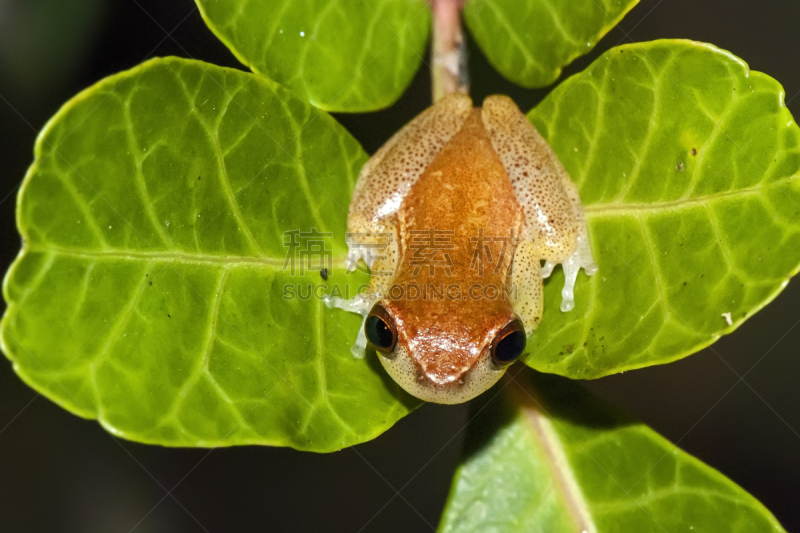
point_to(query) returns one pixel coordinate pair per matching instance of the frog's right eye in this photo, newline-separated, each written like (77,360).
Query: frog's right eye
(381,330)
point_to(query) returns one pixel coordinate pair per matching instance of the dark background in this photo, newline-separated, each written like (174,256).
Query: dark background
(60,473)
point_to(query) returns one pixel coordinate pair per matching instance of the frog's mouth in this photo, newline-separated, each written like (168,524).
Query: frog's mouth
(438,387)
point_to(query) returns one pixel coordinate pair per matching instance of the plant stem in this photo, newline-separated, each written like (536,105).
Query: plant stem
(449,53)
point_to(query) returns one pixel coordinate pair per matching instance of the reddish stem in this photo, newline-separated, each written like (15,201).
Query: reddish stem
(448,54)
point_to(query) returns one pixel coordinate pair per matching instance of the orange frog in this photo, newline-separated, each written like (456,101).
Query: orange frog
(454,216)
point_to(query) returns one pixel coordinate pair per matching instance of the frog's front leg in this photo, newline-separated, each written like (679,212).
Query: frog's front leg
(373,246)
(526,284)
(360,304)
(554,221)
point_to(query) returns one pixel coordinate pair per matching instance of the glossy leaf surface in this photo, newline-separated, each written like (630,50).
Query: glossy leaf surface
(150,291)
(530,41)
(688,165)
(341,55)
(544,455)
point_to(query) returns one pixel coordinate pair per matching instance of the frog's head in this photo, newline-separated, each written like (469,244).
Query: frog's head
(448,354)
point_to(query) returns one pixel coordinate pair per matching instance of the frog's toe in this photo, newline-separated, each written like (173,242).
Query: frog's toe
(547,269)
(580,258)
(360,304)
(360,347)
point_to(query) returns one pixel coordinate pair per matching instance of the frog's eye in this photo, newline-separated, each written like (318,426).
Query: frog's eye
(380,329)
(509,343)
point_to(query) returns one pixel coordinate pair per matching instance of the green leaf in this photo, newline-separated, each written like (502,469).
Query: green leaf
(530,41)
(149,293)
(687,164)
(340,55)
(543,455)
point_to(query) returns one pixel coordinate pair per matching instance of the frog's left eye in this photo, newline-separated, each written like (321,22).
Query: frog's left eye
(381,330)
(509,343)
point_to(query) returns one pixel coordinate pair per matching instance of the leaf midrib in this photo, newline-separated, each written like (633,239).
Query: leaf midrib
(173,256)
(550,444)
(623,208)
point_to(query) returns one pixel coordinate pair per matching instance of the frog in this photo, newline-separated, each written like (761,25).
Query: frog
(460,217)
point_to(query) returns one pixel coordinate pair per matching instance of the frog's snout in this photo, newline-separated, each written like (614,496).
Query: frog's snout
(446,384)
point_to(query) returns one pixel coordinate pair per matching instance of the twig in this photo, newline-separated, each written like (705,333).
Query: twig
(448,54)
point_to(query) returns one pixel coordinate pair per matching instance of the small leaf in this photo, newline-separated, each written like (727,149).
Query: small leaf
(150,290)
(687,164)
(340,55)
(530,41)
(546,456)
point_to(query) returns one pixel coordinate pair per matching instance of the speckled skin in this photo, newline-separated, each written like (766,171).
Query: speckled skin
(463,172)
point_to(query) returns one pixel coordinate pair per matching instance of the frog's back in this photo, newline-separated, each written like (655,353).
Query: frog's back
(462,207)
